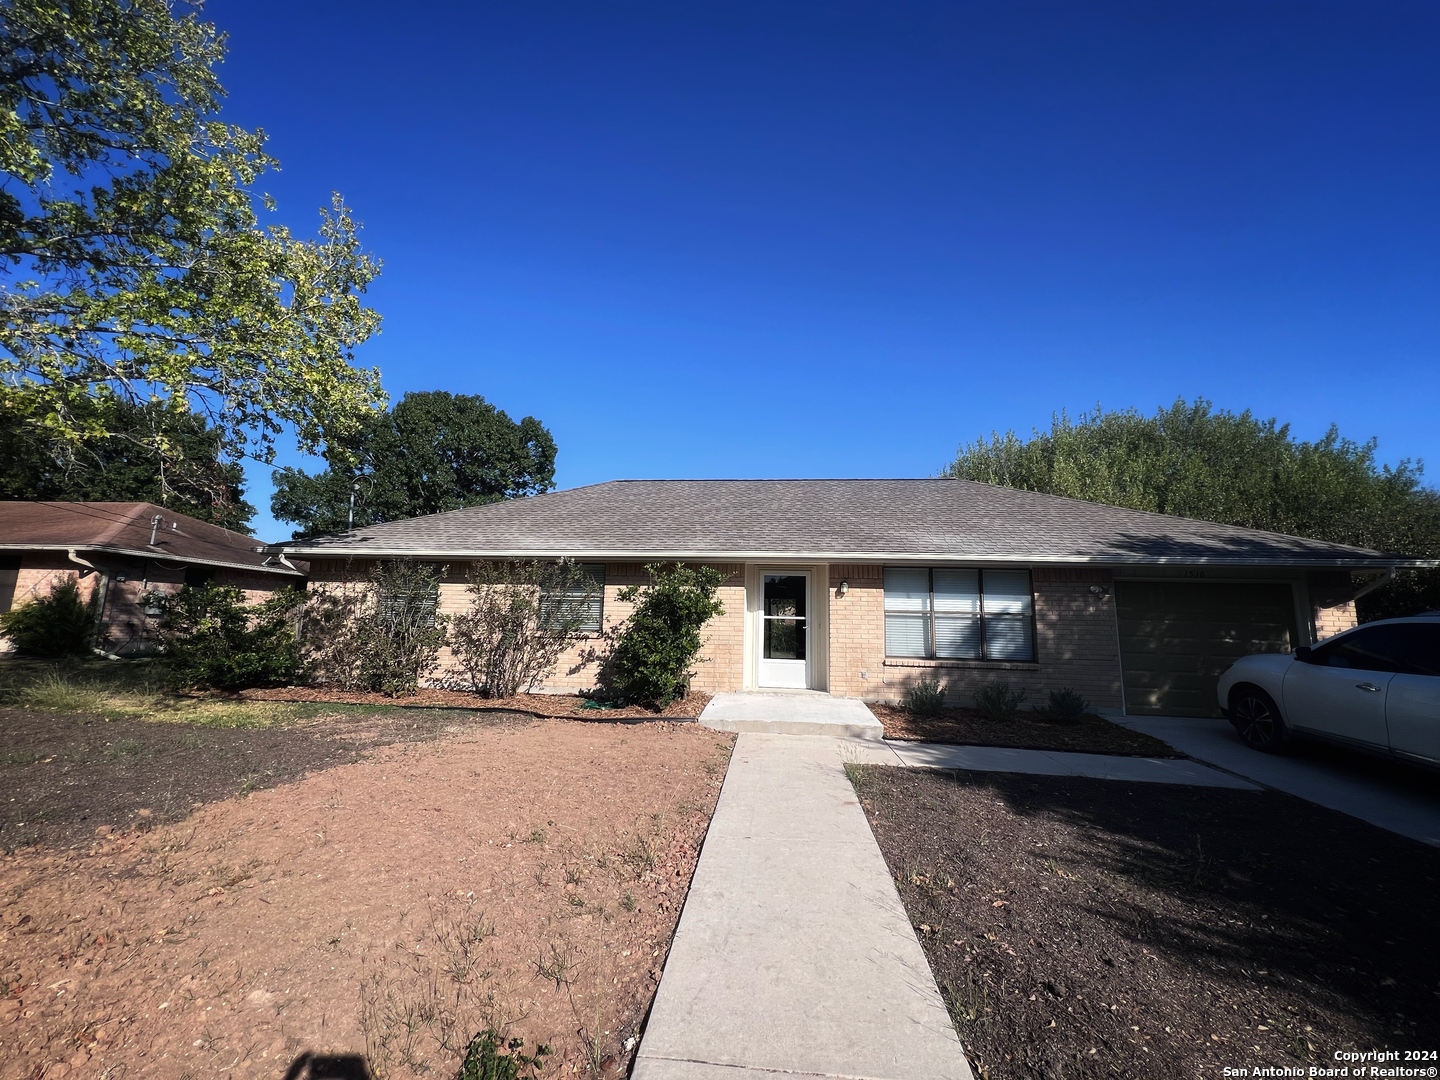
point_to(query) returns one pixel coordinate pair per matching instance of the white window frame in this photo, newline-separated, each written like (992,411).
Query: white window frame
(983,617)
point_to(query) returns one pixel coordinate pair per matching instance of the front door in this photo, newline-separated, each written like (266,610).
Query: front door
(784,626)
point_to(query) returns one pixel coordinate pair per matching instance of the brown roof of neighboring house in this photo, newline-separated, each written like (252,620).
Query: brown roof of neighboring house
(125,528)
(829,520)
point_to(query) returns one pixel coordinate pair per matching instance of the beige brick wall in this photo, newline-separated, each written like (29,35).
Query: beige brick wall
(1331,605)
(1076,643)
(721,654)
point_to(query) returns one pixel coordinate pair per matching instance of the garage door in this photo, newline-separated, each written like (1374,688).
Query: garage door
(1176,638)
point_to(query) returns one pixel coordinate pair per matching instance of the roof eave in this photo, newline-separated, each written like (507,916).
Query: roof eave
(110,549)
(1299,562)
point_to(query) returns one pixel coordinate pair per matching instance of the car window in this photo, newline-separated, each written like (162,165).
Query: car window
(1371,648)
(1419,648)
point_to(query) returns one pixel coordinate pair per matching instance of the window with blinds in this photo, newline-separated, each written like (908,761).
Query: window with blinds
(587,598)
(952,614)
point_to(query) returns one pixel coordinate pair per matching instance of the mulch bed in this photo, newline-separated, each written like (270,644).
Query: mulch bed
(549,706)
(1084,927)
(1026,731)
(67,775)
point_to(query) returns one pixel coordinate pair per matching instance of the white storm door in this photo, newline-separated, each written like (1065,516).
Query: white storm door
(784,630)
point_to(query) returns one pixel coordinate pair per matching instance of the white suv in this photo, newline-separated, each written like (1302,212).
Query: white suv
(1376,688)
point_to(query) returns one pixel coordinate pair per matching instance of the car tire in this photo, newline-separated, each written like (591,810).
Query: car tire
(1257,719)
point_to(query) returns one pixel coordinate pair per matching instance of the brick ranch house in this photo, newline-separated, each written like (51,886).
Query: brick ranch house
(861,588)
(128,551)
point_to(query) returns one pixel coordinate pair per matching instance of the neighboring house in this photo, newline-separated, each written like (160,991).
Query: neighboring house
(129,551)
(863,588)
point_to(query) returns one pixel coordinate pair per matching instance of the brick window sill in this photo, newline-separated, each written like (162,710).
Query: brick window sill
(975,665)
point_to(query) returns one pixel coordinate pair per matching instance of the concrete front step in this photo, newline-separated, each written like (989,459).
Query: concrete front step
(797,713)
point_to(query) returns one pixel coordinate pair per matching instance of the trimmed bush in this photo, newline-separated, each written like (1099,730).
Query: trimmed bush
(926,698)
(57,625)
(655,651)
(212,638)
(383,635)
(522,616)
(996,701)
(1067,704)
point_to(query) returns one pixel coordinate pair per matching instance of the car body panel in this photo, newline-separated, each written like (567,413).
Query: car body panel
(1412,707)
(1340,702)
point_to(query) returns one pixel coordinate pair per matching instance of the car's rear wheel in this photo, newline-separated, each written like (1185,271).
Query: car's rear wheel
(1257,719)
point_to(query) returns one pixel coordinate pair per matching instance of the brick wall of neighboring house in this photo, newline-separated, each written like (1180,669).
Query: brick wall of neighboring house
(1076,643)
(1331,605)
(126,627)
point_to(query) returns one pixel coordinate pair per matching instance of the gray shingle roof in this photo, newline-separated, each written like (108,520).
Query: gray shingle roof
(832,520)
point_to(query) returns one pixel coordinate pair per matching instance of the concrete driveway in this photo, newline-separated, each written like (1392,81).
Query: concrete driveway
(1401,798)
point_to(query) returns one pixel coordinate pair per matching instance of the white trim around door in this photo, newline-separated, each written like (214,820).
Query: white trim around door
(784,628)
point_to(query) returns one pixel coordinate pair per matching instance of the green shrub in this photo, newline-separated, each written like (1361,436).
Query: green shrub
(57,625)
(926,698)
(212,638)
(996,701)
(653,655)
(1067,704)
(490,1057)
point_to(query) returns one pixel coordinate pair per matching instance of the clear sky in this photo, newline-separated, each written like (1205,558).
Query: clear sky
(785,239)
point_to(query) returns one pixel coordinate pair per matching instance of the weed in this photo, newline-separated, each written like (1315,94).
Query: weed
(557,966)
(640,855)
(628,901)
(124,748)
(926,698)
(537,836)
(573,875)
(489,1057)
(575,900)
(997,701)
(855,773)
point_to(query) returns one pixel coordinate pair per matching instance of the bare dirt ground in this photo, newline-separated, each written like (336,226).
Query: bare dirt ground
(1092,928)
(545,705)
(392,900)
(1030,730)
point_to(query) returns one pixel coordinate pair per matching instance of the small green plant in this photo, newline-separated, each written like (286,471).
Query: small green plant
(490,1057)
(653,655)
(926,698)
(1067,704)
(60,624)
(628,901)
(211,637)
(997,701)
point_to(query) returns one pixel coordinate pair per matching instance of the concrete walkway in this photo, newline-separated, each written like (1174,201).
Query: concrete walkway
(1400,799)
(793,954)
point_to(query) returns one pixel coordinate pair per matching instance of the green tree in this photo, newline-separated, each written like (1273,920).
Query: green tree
(1193,461)
(54,626)
(129,227)
(126,466)
(434,451)
(212,637)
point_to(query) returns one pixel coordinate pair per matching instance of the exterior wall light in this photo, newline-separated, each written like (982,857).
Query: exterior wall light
(844,587)
(1100,590)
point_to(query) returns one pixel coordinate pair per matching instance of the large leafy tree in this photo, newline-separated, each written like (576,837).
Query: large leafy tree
(125,466)
(1197,462)
(433,451)
(135,264)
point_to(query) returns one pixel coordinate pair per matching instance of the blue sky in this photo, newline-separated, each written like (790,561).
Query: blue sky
(724,239)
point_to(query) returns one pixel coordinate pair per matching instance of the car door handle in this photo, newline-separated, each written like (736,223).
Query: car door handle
(1368,687)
